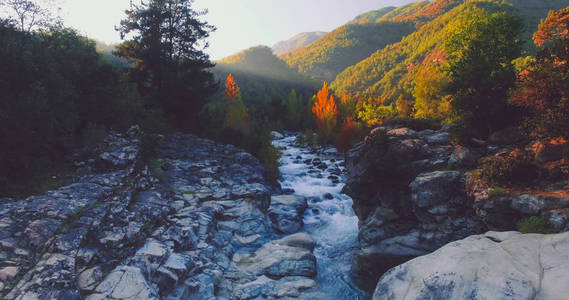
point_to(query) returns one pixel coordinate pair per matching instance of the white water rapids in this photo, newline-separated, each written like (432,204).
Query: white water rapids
(330,220)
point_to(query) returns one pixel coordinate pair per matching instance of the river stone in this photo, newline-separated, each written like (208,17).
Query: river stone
(286,213)
(490,266)
(290,256)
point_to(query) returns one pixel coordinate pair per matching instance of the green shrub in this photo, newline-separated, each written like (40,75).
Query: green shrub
(514,168)
(269,156)
(534,225)
(496,192)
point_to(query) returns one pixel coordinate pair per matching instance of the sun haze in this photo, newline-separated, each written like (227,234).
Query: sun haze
(241,23)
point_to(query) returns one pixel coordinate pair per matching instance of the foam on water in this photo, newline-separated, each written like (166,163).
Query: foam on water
(329,219)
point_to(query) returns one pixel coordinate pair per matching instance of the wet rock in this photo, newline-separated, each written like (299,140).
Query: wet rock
(287,287)
(290,256)
(328,196)
(276,135)
(490,266)
(286,213)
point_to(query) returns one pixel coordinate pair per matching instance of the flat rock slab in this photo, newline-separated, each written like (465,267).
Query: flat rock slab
(290,256)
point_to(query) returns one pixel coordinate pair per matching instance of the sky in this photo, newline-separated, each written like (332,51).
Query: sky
(240,23)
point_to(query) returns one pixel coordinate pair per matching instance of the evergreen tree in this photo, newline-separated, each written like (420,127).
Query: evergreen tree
(166,49)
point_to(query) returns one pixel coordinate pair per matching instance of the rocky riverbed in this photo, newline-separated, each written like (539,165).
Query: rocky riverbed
(197,221)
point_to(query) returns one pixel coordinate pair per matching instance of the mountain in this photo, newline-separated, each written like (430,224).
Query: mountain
(261,74)
(367,33)
(298,41)
(391,72)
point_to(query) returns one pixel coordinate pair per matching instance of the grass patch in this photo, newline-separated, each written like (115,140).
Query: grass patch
(497,192)
(535,225)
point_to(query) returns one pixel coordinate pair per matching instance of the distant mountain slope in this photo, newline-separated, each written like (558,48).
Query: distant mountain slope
(298,41)
(260,74)
(390,72)
(372,16)
(369,32)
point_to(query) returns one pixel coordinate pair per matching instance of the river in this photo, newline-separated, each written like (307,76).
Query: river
(319,176)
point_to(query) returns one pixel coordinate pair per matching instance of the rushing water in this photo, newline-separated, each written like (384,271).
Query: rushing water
(329,219)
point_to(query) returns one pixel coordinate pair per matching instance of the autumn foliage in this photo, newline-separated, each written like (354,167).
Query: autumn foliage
(325,112)
(231,89)
(543,87)
(351,133)
(236,113)
(556,26)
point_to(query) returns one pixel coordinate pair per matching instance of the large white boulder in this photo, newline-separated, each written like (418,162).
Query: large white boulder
(506,265)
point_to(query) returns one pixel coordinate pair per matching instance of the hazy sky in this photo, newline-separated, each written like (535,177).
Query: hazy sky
(240,23)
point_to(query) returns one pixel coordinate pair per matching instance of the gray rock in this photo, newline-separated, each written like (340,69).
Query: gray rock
(434,188)
(89,278)
(276,135)
(491,266)
(462,157)
(438,138)
(8,273)
(127,283)
(287,287)
(286,213)
(290,256)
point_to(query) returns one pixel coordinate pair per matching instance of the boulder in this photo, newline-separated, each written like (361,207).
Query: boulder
(495,265)
(287,287)
(547,151)
(276,135)
(429,189)
(290,256)
(507,136)
(462,157)
(286,213)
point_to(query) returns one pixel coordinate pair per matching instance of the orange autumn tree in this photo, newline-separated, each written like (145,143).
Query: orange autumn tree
(554,27)
(231,89)
(236,113)
(543,87)
(325,113)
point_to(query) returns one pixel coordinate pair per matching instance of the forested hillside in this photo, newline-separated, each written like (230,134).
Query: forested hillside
(261,75)
(413,68)
(298,41)
(369,32)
